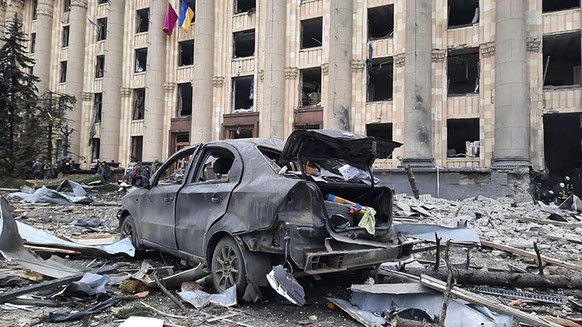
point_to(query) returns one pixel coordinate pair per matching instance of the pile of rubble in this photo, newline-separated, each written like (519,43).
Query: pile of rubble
(476,262)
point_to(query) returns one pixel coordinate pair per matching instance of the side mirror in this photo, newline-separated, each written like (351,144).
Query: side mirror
(140,181)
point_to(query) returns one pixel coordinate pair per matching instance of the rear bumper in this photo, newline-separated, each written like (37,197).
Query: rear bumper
(334,261)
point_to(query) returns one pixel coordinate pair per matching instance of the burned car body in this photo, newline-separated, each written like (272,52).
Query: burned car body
(243,206)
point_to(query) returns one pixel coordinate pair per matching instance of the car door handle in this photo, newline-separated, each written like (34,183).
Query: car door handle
(216,198)
(168,199)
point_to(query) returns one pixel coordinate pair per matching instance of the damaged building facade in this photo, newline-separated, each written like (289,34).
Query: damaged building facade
(474,89)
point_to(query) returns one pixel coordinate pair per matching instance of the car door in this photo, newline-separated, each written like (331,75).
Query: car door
(204,199)
(158,206)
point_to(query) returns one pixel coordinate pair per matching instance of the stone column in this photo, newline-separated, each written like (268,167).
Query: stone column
(76,70)
(153,128)
(202,88)
(272,112)
(418,138)
(111,109)
(512,141)
(43,49)
(339,100)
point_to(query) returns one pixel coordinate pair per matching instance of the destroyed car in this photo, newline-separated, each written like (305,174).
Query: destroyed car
(243,206)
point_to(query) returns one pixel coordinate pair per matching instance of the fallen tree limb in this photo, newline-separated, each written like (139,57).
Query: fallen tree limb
(478,277)
(531,255)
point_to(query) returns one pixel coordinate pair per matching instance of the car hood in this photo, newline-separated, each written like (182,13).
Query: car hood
(357,150)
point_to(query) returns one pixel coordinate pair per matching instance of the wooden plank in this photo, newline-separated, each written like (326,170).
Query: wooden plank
(50,250)
(531,255)
(548,222)
(12,294)
(474,298)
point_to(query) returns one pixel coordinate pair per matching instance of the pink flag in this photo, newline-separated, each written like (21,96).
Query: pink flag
(170,20)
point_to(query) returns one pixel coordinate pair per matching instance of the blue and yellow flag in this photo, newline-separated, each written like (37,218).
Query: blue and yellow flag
(186,16)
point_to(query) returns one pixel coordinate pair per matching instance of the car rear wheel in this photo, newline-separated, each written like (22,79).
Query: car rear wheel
(127,229)
(228,267)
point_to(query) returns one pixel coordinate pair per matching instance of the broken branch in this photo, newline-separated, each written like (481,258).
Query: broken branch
(170,295)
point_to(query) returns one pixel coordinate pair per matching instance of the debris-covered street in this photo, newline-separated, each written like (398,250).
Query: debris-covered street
(507,232)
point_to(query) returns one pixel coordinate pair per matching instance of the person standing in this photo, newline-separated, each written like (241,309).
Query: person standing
(37,169)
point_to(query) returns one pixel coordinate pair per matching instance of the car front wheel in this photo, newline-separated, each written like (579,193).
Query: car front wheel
(228,267)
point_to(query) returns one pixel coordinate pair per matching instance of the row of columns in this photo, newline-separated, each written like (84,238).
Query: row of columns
(511,101)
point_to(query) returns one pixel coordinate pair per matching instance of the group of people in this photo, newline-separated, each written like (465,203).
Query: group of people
(104,170)
(42,171)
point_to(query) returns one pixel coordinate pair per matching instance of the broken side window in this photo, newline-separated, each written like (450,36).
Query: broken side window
(136,148)
(141,59)
(63,72)
(100,66)
(244,44)
(244,6)
(463,137)
(32,42)
(555,5)
(379,130)
(65,36)
(138,103)
(310,87)
(380,22)
(311,33)
(463,71)
(184,105)
(562,143)
(562,59)
(380,79)
(241,132)
(186,53)
(243,93)
(67,6)
(97,106)
(142,20)
(463,13)
(101,29)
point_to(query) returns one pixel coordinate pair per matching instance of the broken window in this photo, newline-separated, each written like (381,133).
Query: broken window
(463,71)
(380,79)
(379,130)
(65,36)
(244,6)
(186,52)
(34,9)
(32,42)
(101,29)
(98,105)
(138,103)
(63,72)
(243,93)
(463,137)
(241,132)
(311,87)
(67,6)
(136,148)
(311,33)
(380,22)
(100,66)
(562,143)
(244,44)
(141,59)
(562,60)
(555,5)
(142,20)
(184,99)
(95,149)
(463,13)
(306,126)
